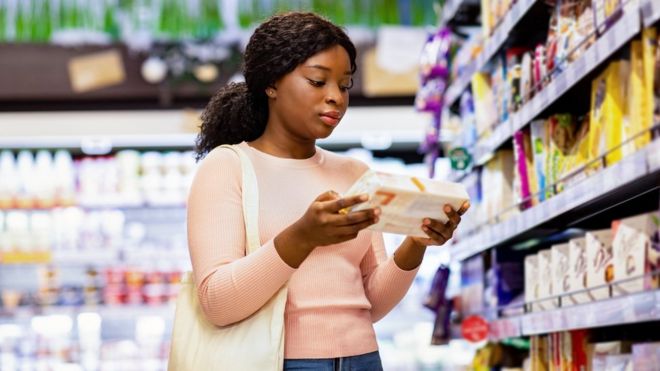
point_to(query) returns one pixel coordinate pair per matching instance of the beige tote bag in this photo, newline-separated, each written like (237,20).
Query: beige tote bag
(254,344)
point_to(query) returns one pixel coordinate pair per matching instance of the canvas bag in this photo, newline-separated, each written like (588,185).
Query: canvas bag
(253,344)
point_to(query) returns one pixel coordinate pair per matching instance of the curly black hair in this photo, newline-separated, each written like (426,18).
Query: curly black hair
(239,111)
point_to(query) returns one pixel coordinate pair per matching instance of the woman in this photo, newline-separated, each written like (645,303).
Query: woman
(298,70)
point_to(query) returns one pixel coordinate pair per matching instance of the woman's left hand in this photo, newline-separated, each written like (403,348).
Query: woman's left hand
(439,232)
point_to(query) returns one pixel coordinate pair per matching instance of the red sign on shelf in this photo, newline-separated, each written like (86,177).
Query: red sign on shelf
(474,329)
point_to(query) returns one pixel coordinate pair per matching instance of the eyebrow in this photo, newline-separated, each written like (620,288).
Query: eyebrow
(324,68)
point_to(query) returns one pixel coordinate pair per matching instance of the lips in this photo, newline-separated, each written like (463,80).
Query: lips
(331,118)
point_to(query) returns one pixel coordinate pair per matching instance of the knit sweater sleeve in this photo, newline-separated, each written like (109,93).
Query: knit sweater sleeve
(385,284)
(231,286)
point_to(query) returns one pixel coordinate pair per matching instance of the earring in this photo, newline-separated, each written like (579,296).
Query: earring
(270,92)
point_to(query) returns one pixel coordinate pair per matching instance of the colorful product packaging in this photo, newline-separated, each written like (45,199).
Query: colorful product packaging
(544,284)
(540,146)
(577,257)
(561,277)
(600,267)
(636,253)
(531,281)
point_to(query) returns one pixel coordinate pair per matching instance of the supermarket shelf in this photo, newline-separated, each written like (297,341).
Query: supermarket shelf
(107,312)
(491,46)
(594,193)
(634,308)
(617,36)
(624,30)
(650,12)
(96,257)
(100,132)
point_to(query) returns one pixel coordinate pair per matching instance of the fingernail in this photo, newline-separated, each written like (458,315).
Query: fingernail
(377,211)
(447,208)
(364,197)
(427,221)
(425,228)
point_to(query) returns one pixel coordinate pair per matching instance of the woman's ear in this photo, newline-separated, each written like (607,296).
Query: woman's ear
(271,92)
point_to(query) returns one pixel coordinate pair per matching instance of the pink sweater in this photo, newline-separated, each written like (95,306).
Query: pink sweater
(336,293)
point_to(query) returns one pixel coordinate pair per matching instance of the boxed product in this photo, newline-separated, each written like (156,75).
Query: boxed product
(531,279)
(561,277)
(525,183)
(497,181)
(540,146)
(636,253)
(577,260)
(544,280)
(646,356)
(405,201)
(600,267)
(484,103)
(608,104)
(581,350)
(650,73)
(538,353)
(633,119)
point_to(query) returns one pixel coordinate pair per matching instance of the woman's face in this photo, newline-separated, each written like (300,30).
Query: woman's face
(310,101)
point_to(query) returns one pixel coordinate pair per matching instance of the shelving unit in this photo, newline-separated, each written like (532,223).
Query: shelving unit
(633,308)
(606,45)
(490,47)
(637,173)
(492,253)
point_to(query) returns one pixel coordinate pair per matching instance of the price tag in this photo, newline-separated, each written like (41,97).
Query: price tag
(96,71)
(474,329)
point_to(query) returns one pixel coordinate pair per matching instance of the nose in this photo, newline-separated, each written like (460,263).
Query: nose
(334,95)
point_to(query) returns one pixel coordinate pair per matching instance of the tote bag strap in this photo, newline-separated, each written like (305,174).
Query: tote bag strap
(250,198)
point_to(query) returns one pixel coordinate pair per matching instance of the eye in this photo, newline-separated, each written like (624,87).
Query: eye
(348,86)
(316,83)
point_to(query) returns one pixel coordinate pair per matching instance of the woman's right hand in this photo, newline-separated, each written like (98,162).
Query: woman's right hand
(323,224)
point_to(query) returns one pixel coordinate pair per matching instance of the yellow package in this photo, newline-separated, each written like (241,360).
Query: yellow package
(633,123)
(484,104)
(607,109)
(649,46)
(617,84)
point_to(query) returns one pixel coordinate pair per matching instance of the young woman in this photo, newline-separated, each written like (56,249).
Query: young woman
(298,70)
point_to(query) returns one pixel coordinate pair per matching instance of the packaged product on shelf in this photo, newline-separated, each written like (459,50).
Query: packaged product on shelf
(539,353)
(526,77)
(488,20)
(531,281)
(633,118)
(561,277)
(472,286)
(540,70)
(514,75)
(585,34)
(607,109)
(651,68)
(577,260)
(636,253)
(544,283)
(508,277)
(499,88)
(566,29)
(646,356)
(497,185)
(610,356)
(484,103)
(541,146)
(405,201)
(525,183)
(581,349)
(563,134)
(606,13)
(600,267)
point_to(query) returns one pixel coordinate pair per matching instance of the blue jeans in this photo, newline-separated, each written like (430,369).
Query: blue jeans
(363,362)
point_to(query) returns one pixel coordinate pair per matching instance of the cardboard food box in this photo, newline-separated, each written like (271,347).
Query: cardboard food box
(561,278)
(635,253)
(600,265)
(531,280)
(405,201)
(544,279)
(577,260)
